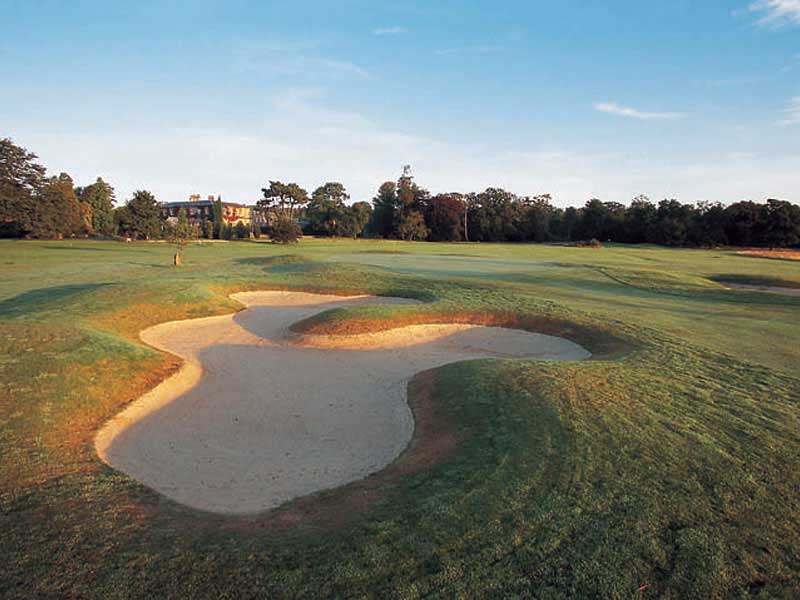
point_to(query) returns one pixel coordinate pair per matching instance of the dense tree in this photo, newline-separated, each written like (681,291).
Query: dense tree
(412,226)
(143,216)
(538,218)
(384,207)
(782,223)
(593,221)
(122,221)
(355,219)
(327,208)
(497,216)
(745,223)
(100,197)
(639,220)
(283,198)
(21,178)
(19,167)
(444,217)
(673,223)
(570,224)
(56,210)
(409,219)
(708,225)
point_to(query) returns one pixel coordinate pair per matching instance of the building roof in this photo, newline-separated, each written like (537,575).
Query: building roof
(190,203)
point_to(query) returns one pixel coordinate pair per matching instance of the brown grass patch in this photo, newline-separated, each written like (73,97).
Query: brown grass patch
(773,254)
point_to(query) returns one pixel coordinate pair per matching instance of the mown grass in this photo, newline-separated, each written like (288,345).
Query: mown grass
(672,471)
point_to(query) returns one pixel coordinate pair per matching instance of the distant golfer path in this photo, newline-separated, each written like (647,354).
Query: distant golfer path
(254,419)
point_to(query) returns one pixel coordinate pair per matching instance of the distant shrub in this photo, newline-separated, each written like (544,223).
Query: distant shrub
(285,231)
(241,231)
(592,243)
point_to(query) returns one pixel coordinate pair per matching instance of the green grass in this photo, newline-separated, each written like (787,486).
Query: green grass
(672,471)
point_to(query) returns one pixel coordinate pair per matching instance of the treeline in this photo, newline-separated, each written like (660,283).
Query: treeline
(34,205)
(37,206)
(404,210)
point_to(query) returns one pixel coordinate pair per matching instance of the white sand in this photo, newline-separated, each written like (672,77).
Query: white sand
(257,416)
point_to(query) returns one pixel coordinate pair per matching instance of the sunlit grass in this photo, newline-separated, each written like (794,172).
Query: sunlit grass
(673,469)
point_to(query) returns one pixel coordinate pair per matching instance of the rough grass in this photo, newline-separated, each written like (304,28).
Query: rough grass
(671,471)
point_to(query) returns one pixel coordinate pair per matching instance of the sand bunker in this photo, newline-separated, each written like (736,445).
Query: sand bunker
(258,416)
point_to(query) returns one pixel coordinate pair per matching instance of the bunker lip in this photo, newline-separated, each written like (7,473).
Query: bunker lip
(601,343)
(170,438)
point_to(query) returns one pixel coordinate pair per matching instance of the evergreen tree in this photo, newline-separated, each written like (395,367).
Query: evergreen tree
(217,223)
(384,206)
(327,208)
(143,216)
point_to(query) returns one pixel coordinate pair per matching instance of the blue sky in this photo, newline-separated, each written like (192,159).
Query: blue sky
(687,99)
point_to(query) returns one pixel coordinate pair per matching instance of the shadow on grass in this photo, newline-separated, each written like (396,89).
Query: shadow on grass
(43,298)
(755,280)
(68,246)
(273,261)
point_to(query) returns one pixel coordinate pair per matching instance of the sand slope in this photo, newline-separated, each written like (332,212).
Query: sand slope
(257,416)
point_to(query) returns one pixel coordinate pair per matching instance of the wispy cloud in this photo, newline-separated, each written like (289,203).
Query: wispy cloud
(775,13)
(293,58)
(469,50)
(393,30)
(792,112)
(625,111)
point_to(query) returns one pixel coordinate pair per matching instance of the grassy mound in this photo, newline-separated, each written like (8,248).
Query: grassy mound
(601,342)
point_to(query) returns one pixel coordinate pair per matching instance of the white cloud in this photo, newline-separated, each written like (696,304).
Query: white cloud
(792,112)
(394,30)
(777,12)
(625,111)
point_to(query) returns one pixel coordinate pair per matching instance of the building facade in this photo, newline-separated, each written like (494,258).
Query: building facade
(198,211)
